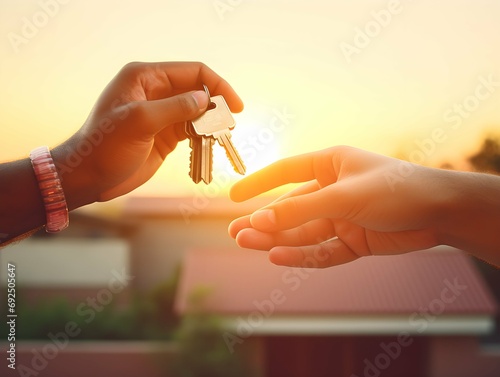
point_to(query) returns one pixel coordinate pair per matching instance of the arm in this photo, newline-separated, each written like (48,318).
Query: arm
(472,220)
(136,122)
(21,206)
(359,203)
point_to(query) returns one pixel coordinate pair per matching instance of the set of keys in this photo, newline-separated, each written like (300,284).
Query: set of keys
(214,124)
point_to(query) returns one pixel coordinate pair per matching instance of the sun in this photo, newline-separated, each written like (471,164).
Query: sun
(258,144)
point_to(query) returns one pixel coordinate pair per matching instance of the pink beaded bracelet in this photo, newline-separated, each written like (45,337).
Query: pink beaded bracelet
(56,209)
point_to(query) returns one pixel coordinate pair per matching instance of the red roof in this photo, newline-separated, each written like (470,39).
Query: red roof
(441,279)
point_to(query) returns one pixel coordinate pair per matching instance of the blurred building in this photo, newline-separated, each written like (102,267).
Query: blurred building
(422,314)
(342,320)
(419,314)
(75,264)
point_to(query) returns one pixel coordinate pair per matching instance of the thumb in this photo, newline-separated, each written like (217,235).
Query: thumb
(154,116)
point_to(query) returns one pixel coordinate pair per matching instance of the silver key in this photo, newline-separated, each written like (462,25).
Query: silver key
(206,160)
(195,144)
(201,158)
(217,122)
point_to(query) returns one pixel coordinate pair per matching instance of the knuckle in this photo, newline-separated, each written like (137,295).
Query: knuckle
(341,149)
(289,209)
(137,112)
(132,65)
(202,66)
(131,69)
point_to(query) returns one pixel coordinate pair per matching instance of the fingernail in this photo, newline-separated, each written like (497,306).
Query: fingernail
(201,99)
(263,218)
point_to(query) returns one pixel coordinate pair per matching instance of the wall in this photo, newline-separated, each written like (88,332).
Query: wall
(463,357)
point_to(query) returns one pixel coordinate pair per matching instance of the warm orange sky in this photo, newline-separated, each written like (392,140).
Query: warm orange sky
(306,59)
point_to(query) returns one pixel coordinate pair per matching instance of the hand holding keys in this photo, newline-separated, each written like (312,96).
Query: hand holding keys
(215,124)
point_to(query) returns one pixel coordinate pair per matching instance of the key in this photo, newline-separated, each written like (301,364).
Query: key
(201,158)
(216,123)
(195,145)
(200,168)
(206,160)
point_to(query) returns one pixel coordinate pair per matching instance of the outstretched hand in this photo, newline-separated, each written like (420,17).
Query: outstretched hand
(348,208)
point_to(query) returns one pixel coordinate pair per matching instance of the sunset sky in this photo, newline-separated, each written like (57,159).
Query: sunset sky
(379,75)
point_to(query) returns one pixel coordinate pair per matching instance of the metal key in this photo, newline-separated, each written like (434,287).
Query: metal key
(195,160)
(200,168)
(206,160)
(216,123)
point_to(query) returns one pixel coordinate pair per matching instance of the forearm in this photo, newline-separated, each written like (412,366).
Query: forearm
(21,205)
(472,220)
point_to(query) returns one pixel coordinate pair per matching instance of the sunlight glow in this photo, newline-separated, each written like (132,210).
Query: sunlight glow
(302,91)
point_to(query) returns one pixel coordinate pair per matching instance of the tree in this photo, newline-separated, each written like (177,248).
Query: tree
(488,157)
(202,349)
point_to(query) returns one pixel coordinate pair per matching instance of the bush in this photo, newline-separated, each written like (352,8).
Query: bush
(150,316)
(202,350)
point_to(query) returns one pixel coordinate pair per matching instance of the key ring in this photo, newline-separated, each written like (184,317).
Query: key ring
(211,105)
(206,91)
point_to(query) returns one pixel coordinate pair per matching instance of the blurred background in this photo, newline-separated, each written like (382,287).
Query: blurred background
(418,80)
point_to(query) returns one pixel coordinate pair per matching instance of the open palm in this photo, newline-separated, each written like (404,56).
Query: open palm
(354,204)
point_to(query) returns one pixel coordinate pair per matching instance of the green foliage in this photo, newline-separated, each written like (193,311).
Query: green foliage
(36,322)
(149,316)
(202,350)
(161,302)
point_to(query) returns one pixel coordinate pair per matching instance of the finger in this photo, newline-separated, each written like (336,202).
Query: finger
(289,170)
(244,222)
(150,117)
(304,189)
(327,254)
(239,224)
(331,202)
(164,78)
(311,233)
(217,85)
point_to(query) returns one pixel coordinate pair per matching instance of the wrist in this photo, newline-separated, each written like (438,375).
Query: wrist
(76,179)
(472,214)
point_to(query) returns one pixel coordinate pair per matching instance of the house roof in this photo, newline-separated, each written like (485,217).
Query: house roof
(442,282)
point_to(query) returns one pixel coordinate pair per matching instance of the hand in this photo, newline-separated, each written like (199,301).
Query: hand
(355,204)
(137,121)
